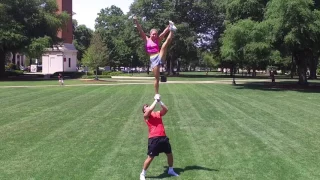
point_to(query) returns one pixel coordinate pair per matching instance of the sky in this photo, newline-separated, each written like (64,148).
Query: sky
(87,10)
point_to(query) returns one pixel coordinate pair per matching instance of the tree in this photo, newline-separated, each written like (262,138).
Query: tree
(111,22)
(236,10)
(22,22)
(37,47)
(294,26)
(209,60)
(82,38)
(97,53)
(196,22)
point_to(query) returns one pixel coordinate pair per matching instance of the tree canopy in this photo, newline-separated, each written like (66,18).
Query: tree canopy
(246,34)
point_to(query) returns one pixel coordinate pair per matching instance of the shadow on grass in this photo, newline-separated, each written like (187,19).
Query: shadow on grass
(313,87)
(180,171)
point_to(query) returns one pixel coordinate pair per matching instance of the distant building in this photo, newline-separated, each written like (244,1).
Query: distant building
(63,57)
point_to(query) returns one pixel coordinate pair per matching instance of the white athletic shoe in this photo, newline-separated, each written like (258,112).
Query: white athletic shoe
(172,26)
(142,177)
(172,173)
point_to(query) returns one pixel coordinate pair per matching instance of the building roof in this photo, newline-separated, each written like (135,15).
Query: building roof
(69,47)
(63,47)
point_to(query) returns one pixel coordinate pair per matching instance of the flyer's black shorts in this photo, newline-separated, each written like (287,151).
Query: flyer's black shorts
(158,145)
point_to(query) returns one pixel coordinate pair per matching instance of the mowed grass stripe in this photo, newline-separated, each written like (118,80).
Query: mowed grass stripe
(48,117)
(228,147)
(62,132)
(294,127)
(250,153)
(96,132)
(241,133)
(117,163)
(51,107)
(255,111)
(267,134)
(271,136)
(299,140)
(33,105)
(21,97)
(237,154)
(31,129)
(191,141)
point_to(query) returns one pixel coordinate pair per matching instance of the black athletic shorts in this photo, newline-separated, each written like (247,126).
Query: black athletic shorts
(158,145)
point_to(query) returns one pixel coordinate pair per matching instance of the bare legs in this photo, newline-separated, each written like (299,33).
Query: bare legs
(156,72)
(164,48)
(148,161)
(163,55)
(170,159)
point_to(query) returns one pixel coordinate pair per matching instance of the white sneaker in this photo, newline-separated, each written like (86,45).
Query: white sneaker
(142,177)
(172,173)
(172,26)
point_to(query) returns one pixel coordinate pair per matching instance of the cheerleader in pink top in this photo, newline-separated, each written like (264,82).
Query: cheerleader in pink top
(157,54)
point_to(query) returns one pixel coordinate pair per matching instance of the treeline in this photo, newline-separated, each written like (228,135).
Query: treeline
(235,34)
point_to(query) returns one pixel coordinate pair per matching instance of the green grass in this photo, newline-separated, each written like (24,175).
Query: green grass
(216,132)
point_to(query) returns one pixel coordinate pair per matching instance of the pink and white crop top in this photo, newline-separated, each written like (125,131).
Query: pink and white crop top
(152,47)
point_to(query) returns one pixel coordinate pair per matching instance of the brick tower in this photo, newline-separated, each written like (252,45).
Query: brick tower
(67,32)
(61,58)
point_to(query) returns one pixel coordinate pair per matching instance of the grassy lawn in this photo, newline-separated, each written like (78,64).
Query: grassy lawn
(216,132)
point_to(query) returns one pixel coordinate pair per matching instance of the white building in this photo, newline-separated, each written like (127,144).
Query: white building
(61,58)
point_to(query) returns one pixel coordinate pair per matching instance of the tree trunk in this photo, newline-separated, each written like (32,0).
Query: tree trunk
(313,68)
(254,72)
(231,70)
(293,69)
(178,66)
(14,57)
(2,62)
(168,66)
(302,69)
(171,68)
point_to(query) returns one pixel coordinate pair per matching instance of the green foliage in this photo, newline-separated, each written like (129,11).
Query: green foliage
(244,9)
(289,21)
(294,29)
(96,55)
(82,37)
(13,73)
(11,66)
(38,46)
(105,74)
(244,33)
(209,60)
(31,23)
(113,73)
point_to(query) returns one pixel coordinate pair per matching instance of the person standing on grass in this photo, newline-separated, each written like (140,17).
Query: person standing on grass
(158,142)
(60,77)
(152,47)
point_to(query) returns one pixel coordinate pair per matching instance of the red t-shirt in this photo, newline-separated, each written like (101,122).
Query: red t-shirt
(155,125)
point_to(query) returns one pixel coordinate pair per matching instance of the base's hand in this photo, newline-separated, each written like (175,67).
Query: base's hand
(157,97)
